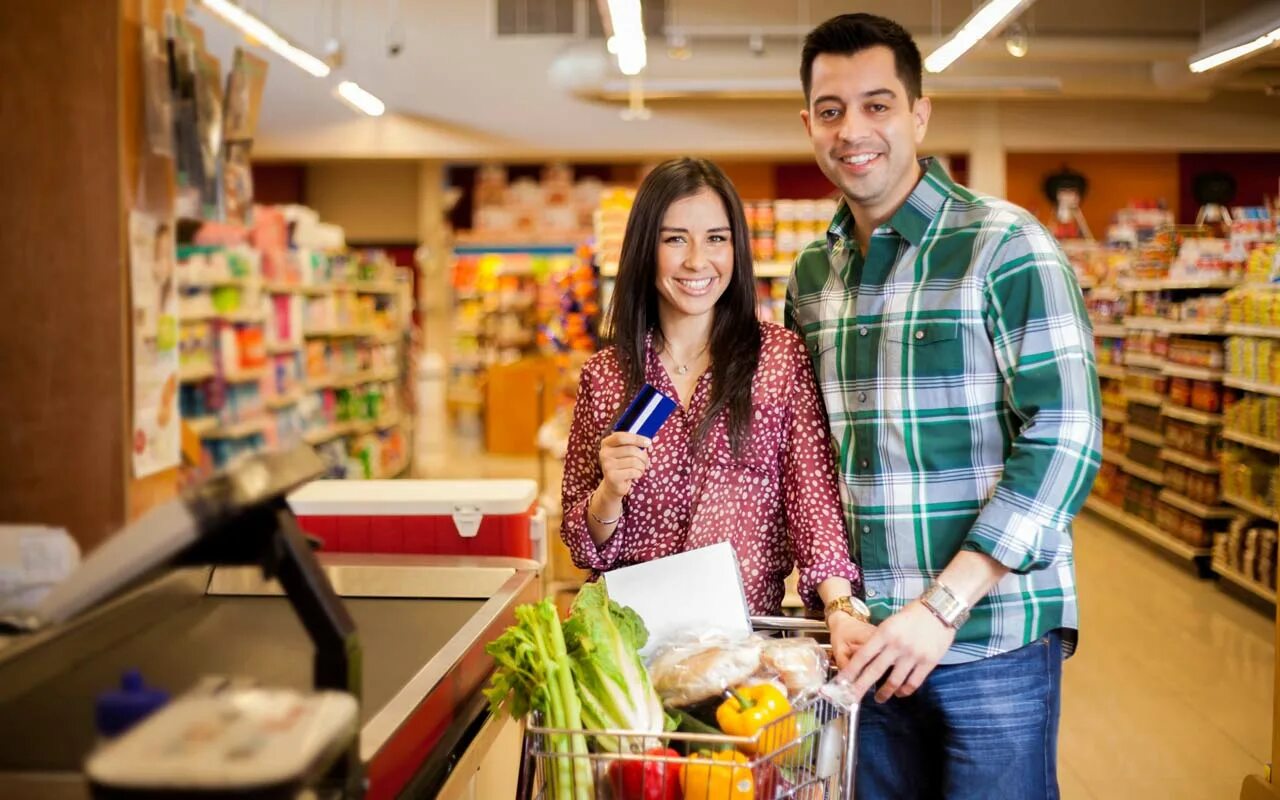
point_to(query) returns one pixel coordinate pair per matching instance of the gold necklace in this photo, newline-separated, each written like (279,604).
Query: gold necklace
(683,369)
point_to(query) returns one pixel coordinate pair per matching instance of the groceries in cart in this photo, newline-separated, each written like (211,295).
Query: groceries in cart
(710,717)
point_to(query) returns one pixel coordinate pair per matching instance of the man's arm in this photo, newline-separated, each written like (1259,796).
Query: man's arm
(1044,349)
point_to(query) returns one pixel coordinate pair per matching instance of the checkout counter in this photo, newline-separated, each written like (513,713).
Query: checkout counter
(421,623)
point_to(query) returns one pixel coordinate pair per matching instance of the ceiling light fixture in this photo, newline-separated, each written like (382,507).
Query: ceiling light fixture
(627,41)
(678,47)
(250,25)
(977,27)
(1205,63)
(361,99)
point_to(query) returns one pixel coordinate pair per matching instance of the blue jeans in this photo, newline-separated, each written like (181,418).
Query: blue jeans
(986,729)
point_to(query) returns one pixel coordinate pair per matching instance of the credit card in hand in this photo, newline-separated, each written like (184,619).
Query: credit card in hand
(647,412)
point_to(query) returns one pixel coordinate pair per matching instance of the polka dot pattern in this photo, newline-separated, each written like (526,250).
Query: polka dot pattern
(776,503)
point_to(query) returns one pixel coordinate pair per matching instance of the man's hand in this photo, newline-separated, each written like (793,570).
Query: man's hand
(847,635)
(906,647)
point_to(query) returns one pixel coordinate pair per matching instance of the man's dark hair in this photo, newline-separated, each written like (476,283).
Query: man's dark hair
(852,33)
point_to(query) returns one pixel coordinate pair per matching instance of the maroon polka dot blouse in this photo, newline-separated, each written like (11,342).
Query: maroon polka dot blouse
(777,503)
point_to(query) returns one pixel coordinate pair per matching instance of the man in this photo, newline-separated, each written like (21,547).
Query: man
(956,363)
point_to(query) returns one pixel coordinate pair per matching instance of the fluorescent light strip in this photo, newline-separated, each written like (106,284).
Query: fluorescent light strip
(1232,53)
(250,25)
(976,28)
(361,99)
(627,41)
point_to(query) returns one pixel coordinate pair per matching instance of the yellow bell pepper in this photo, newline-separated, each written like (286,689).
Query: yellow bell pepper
(718,776)
(762,707)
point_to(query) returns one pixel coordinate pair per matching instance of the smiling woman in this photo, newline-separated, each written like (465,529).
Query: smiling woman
(744,456)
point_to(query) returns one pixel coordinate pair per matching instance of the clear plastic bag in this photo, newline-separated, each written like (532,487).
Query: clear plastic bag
(689,670)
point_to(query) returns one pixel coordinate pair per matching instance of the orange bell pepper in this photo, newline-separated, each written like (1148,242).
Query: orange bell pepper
(718,776)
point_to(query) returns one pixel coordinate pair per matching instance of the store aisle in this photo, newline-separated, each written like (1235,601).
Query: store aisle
(1170,693)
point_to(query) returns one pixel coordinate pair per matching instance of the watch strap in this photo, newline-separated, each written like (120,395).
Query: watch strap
(945,605)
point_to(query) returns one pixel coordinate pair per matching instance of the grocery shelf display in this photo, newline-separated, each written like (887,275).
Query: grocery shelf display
(280,345)
(1187,339)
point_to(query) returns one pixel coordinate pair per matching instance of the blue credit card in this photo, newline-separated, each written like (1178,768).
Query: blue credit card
(647,412)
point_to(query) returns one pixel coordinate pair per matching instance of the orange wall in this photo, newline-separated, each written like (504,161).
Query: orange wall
(1115,179)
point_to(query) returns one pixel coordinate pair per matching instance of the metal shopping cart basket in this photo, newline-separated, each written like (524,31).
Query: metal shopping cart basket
(810,754)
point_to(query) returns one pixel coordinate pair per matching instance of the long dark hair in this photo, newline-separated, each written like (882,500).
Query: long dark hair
(633,313)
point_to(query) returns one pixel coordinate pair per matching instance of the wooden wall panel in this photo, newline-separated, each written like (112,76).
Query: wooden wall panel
(63,351)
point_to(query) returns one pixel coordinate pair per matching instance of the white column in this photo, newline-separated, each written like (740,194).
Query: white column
(987,153)
(436,309)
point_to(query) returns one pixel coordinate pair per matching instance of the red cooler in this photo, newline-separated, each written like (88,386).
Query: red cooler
(477,517)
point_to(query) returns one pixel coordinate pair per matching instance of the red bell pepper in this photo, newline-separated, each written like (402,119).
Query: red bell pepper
(647,780)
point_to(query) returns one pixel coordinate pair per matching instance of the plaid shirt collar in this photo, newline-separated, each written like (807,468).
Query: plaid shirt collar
(912,219)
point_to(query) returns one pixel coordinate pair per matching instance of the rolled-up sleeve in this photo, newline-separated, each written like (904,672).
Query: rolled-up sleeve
(1044,349)
(582,475)
(815,519)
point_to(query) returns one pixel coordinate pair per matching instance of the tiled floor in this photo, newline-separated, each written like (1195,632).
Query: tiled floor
(1170,694)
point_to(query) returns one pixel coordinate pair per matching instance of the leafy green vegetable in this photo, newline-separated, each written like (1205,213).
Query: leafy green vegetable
(533,672)
(603,639)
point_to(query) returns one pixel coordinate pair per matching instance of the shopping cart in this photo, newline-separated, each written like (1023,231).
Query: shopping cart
(810,754)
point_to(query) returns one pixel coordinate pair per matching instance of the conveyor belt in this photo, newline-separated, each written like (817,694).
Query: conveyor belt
(258,637)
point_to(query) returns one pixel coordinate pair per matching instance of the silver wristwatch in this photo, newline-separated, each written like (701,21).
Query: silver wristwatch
(945,605)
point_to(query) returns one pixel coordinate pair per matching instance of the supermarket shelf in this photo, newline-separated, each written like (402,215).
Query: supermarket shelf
(1272,331)
(1144,397)
(1260,442)
(1196,509)
(773,269)
(1143,360)
(239,430)
(1196,327)
(1194,373)
(354,379)
(201,425)
(340,333)
(1190,414)
(195,374)
(1113,371)
(245,376)
(1145,529)
(1255,508)
(326,434)
(1144,435)
(284,401)
(1146,323)
(208,282)
(377,287)
(1113,414)
(297,288)
(1252,386)
(1145,473)
(1109,331)
(282,348)
(1113,456)
(241,317)
(1248,584)
(1175,456)
(1161,284)
(1106,292)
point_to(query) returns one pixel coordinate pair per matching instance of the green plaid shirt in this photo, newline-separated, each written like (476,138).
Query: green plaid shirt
(956,363)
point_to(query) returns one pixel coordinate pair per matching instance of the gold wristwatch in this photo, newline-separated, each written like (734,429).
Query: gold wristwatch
(849,605)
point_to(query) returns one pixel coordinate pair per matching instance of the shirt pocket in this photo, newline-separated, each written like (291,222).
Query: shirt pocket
(933,348)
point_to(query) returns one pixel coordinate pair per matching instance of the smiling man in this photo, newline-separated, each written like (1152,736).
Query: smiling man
(956,363)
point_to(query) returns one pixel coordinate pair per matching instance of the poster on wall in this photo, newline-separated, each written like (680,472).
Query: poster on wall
(243,101)
(156,438)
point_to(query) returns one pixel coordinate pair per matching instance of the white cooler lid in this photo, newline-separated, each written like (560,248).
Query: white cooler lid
(410,498)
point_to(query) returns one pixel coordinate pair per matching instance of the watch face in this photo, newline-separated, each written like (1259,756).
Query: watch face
(860,607)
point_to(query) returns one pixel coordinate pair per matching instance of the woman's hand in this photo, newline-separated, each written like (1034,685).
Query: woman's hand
(624,458)
(847,636)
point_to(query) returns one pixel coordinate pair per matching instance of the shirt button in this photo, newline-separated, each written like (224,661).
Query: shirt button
(871,593)
(866,529)
(919,335)
(862,331)
(862,397)
(864,463)
(814,347)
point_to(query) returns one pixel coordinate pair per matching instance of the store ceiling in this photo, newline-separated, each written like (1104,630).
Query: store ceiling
(476,90)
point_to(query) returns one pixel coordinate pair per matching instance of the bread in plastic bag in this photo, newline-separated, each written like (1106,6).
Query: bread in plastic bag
(800,663)
(688,671)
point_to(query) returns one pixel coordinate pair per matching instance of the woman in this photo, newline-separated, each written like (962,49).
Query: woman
(745,457)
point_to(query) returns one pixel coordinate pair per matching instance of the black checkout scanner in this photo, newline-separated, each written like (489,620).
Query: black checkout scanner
(224,736)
